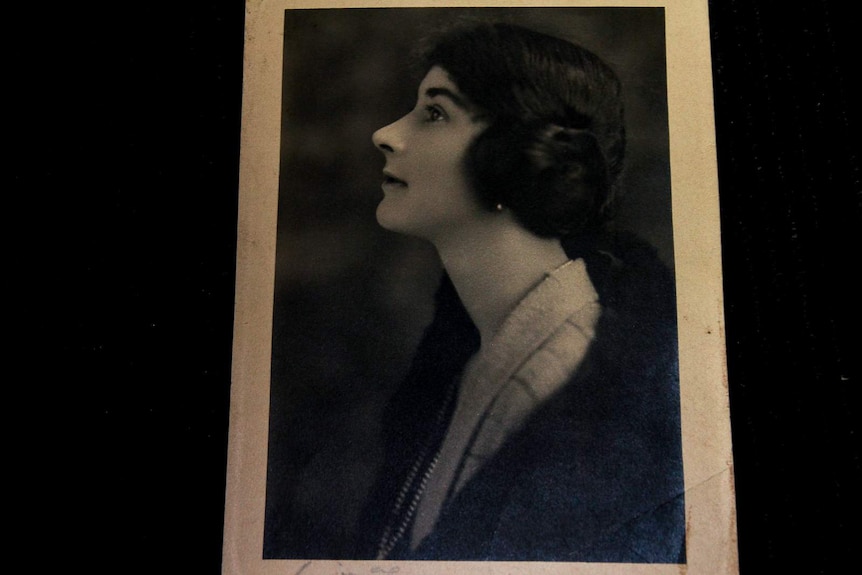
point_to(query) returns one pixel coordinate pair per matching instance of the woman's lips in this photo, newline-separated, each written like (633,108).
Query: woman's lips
(390,180)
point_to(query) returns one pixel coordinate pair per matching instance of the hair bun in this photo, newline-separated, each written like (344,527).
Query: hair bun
(569,168)
(570,152)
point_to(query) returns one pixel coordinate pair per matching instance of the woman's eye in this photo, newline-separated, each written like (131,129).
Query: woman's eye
(434,114)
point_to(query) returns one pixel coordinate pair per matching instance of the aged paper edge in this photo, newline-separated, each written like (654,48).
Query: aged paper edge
(708,465)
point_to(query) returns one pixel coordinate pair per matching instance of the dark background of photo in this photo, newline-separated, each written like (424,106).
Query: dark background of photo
(351,300)
(122,176)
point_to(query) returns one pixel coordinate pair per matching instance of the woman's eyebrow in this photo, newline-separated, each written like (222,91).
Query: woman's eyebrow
(455,98)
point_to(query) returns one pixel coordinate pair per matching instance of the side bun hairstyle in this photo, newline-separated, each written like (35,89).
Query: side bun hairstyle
(555,145)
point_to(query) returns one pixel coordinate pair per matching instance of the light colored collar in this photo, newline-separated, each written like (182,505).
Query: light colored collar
(563,292)
(532,354)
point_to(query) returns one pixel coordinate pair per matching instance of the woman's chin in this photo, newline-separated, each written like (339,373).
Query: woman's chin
(388,218)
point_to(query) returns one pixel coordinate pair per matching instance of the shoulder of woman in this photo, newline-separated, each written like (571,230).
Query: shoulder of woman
(628,274)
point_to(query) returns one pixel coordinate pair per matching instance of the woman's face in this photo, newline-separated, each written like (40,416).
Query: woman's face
(425,191)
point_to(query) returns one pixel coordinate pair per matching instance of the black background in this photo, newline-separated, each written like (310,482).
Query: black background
(121,225)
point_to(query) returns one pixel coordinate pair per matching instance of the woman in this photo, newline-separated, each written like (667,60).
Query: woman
(540,417)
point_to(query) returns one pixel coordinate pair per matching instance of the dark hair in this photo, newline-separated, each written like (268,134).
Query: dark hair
(554,148)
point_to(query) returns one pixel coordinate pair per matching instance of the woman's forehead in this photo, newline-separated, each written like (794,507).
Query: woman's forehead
(438,78)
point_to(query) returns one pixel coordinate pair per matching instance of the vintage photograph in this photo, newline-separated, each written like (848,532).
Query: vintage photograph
(474,352)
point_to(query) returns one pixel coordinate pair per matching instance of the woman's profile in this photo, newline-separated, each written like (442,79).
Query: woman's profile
(540,416)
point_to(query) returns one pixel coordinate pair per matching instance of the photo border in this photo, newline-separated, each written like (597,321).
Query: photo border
(707,456)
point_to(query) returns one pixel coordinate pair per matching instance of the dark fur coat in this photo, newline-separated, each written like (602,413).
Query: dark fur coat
(596,473)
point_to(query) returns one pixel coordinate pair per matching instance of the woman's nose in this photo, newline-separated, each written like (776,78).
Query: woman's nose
(387,138)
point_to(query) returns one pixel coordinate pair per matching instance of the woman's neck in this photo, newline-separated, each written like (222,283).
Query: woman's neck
(493,268)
